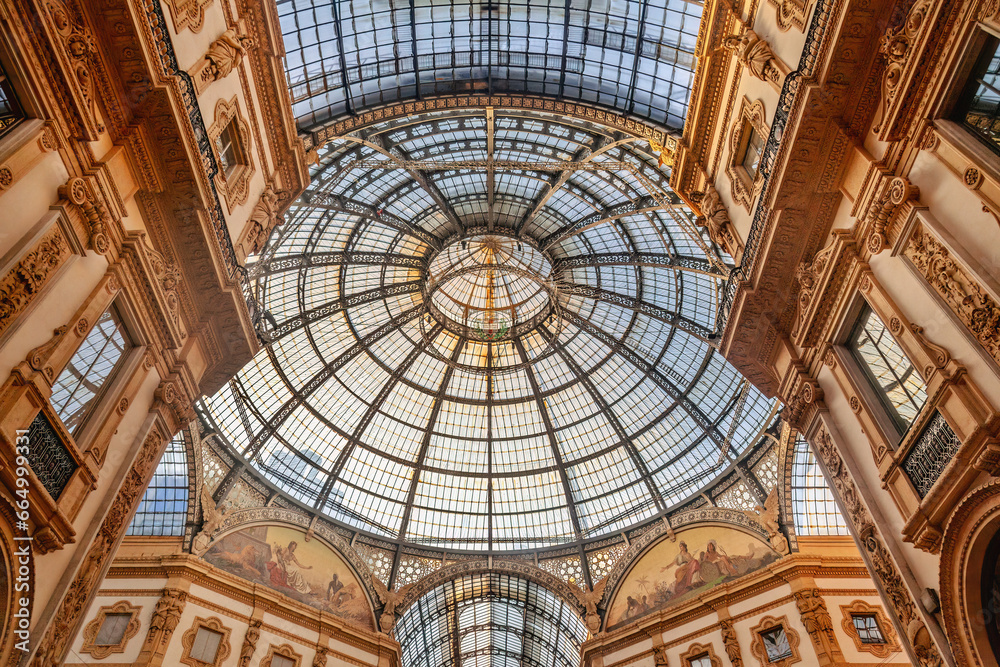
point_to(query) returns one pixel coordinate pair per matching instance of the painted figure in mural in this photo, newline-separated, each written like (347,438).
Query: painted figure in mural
(688,572)
(293,568)
(713,554)
(335,592)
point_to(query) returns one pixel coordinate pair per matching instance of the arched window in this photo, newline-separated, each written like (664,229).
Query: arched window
(163,509)
(813,506)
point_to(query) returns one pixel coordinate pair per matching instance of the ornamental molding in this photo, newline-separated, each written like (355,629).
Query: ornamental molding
(211,623)
(894,197)
(223,56)
(26,280)
(79,59)
(101,651)
(820,282)
(882,565)
(749,119)
(235,185)
(974,306)
(791,13)
(757,641)
(755,54)
(67,618)
(188,13)
(970,529)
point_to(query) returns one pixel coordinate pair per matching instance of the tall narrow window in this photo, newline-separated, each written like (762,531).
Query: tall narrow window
(228,145)
(751,156)
(896,382)
(978,109)
(206,646)
(80,384)
(11,112)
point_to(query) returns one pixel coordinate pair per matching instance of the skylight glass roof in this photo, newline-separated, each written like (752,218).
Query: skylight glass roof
(490,620)
(635,56)
(486,355)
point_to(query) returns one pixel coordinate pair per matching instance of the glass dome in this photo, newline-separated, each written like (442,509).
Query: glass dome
(489,329)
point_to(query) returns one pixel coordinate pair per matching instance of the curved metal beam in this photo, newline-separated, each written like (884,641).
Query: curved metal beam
(317,199)
(309,259)
(646,259)
(699,331)
(336,305)
(639,205)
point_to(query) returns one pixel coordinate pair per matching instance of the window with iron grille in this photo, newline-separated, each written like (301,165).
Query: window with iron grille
(891,374)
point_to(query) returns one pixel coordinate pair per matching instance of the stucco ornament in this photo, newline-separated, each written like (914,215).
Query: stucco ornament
(755,54)
(767,516)
(226,52)
(212,518)
(390,600)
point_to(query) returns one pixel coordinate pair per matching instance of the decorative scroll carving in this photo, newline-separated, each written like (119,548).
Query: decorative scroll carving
(964,295)
(93,210)
(819,625)
(249,643)
(263,220)
(79,53)
(27,279)
(754,53)
(53,646)
(897,190)
(767,516)
(791,13)
(932,452)
(38,358)
(897,47)
(101,651)
(808,276)
(731,643)
(188,13)
(883,568)
(715,217)
(222,57)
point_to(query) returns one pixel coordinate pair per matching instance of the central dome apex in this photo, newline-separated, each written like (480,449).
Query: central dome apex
(490,286)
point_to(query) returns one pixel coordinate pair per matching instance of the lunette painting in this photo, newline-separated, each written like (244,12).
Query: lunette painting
(308,571)
(674,571)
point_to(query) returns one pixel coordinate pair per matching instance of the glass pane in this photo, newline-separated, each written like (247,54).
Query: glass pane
(893,377)
(700,661)
(979,108)
(80,383)
(868,630)
(751,159)
(281,661)
(163,509)
(776,644)
(813,506)
(206,645)
(112,629)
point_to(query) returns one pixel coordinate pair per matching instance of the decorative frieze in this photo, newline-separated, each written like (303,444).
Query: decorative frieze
(963,294)
(27,279)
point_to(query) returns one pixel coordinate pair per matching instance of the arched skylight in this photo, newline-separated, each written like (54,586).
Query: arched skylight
(814,508)
(633,56)
(490,620)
